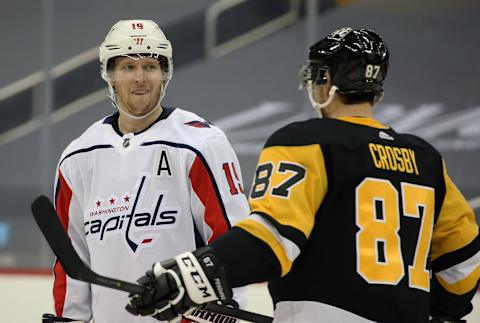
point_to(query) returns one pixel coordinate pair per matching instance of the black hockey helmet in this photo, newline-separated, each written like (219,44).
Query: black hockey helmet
(357,60)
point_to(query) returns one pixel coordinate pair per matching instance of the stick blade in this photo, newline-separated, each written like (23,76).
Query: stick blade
(54,232)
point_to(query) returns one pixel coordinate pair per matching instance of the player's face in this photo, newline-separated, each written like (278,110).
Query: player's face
(137,83)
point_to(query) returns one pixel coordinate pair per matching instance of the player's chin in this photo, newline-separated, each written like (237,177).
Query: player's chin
(141,107)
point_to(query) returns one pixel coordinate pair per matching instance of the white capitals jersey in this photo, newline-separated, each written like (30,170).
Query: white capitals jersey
(130,200)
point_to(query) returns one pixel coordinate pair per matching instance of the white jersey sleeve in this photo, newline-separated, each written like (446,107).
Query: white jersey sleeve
(217,198)
(74,301)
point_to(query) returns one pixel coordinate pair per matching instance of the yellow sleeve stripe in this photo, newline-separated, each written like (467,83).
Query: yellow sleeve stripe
(258,230)
(462,286)
(456,226)
(290,246)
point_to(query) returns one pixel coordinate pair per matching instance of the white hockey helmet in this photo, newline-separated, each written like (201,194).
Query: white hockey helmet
(133,37)
(136,38)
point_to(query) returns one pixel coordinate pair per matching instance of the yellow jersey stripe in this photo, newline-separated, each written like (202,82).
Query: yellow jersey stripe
(259,231)
(456,225)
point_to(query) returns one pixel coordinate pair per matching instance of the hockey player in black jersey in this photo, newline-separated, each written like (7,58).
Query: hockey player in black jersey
(350,220)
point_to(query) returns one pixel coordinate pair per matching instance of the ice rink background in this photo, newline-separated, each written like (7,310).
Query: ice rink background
(34,296)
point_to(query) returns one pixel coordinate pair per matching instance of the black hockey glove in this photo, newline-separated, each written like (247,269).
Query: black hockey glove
(178,286)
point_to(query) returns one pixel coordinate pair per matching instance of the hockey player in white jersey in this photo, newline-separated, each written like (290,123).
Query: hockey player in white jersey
(143,184)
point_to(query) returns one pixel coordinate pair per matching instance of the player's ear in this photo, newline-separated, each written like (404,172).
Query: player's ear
(112,83)
(328,83)
(111,77)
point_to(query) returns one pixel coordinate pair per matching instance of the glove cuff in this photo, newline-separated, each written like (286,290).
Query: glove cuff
(216,272)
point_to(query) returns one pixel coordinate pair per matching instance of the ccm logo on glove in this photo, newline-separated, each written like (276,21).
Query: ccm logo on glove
(199,288)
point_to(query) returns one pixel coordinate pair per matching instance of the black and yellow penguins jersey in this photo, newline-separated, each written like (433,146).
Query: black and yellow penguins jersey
(353,218)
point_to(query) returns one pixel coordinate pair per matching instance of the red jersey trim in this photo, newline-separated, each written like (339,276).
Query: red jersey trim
(62,205)
(204,186)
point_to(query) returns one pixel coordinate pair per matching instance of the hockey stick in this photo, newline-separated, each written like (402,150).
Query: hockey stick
(53,231)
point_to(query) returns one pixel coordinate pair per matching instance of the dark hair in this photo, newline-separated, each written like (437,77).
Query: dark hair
(354,98)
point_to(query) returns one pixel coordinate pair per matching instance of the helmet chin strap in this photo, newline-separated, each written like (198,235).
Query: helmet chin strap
(136,117)
(319,106)
(113,98)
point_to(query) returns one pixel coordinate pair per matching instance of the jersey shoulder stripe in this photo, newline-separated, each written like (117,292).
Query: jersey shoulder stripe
(84,150)
(90,138)
(179,125)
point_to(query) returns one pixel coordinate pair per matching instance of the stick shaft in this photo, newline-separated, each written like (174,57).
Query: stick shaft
(53,231)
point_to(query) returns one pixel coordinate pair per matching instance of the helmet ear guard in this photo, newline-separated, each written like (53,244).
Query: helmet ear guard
(315,74)
(312,73)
